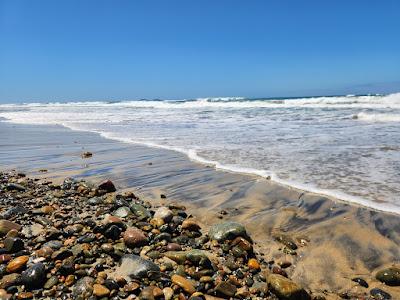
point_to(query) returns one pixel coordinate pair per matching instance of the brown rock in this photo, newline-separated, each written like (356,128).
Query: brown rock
(134,237)
(100,290)
(184,283)
(226,288)
(191,225)
(8,280)
(47,209)
(17,264)
(107,186)
(253,264)
(6,226)
(25,295)
(286,289)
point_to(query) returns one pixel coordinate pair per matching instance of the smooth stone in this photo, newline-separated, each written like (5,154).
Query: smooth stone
(361,282)
(15,187)
(6,226)
(83,288)
(140,211)
(34,276)
(13,244)
(226,288)
(191,225)
(107,186)
(378,294)
(243,244)
(286,289)
(173,247)
(389,276)
(44,252)
(185,284)
(198,257)
(134,237)
(168,293)
(253,264)
(113,232)
(177,256)
(100,290)
(147,293)
(17,264)
(227,231)
(13,211)
(5,258)
(133,266)
(9,280)
(122,212)
(52,281)
(61,254)
(163,213)
(35,229)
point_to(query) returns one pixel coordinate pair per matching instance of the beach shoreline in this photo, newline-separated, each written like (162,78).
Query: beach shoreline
(359,240)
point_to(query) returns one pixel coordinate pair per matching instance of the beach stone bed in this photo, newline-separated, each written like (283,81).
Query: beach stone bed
(82,241)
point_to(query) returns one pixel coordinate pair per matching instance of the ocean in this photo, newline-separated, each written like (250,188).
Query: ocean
(347,147)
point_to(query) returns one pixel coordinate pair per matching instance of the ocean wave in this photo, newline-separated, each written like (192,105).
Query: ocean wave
(349,101)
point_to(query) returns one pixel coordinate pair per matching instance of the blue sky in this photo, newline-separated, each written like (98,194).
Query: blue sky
(113,50)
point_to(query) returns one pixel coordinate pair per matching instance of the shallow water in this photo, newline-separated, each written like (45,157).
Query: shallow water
(347,147)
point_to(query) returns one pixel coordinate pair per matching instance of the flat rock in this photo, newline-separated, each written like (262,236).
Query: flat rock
(133,266)
(286,289)
(227,231)
(6,226)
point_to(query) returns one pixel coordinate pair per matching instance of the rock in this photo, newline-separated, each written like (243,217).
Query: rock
(253,264)
(243,244)
(13,244)
(113,232)
(6,226)
(140,211)
(13,211)
(173,247)
(147,293)
(34,276)
(361,282)
(177,256)
(225,288)
(100,290)
(227,231)
(191,225)
(5,258)
(389,276)
(378,294)
(122,212)
(17,264)
(133,266)
(168,293)
(52,281)
(9,280)
(184,283)
(15,187)
(83,288)
(107,186)
(286,289)
(33,230)
(198,257)
(163,213)
(134,237)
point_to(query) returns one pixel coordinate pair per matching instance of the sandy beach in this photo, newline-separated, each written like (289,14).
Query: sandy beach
(337,241)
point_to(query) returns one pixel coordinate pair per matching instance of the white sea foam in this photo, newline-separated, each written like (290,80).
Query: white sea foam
(378,117)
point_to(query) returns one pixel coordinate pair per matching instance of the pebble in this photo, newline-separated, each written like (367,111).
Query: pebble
(34,276)
(17,264)
(185,284)
(134,237)
(100,290)
(227,231)
(378,294)
(389,276)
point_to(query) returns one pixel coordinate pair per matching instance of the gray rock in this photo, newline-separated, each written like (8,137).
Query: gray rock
(164,213)
(140,211)
(34,277)
(378,294)
(122,212)
(133,266)
(83,289)
(227,231)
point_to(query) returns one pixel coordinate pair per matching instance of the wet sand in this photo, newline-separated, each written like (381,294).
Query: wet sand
(344,241)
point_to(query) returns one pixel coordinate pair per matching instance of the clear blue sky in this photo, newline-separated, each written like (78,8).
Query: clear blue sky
(112,50)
